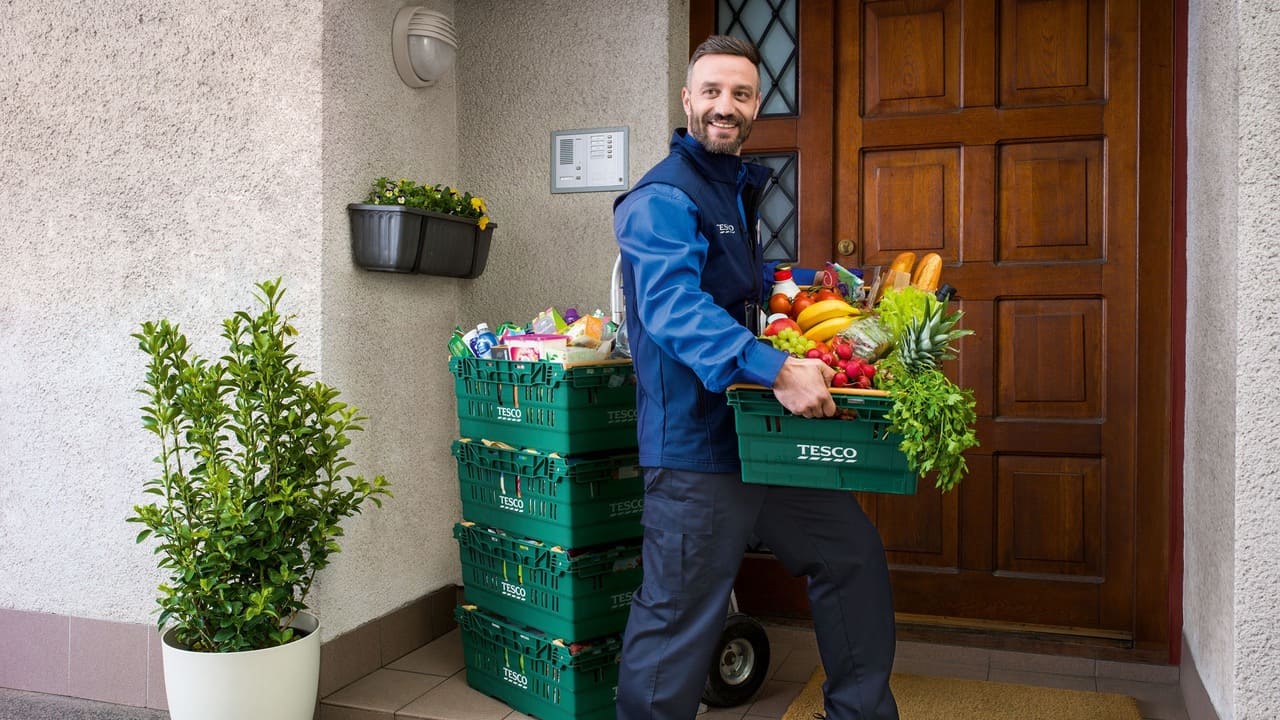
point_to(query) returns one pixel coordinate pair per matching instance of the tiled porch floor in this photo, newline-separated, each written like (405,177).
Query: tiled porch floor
(430,683)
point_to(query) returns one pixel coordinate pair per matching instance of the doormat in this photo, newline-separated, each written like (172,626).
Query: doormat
(936,698)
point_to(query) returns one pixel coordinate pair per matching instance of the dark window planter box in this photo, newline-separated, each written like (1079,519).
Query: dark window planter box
(392,238)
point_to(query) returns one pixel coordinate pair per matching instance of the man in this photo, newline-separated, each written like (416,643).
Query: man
(692,269)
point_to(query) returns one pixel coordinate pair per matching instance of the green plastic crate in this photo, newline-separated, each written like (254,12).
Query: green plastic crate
(852,452)
(573,502)
(565,409)
(535,674)
(566,594)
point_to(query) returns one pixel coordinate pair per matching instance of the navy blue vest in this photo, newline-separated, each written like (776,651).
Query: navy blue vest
(732,275)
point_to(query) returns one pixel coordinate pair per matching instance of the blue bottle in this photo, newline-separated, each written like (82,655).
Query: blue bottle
(483,341)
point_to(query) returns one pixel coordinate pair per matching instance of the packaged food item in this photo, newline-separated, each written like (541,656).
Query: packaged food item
(508,329)
(783,283)
(587,331)
(458,346)
(533,347)
(869,337)
(549,322)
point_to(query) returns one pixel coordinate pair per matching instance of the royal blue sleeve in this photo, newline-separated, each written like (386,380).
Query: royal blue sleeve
(657,231)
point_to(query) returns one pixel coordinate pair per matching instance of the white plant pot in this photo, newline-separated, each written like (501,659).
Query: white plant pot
(278,683)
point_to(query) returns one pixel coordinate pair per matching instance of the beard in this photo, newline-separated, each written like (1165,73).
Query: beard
(723,146)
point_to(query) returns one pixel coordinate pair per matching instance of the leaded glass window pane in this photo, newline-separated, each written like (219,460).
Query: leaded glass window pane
(771,25)
(778,214)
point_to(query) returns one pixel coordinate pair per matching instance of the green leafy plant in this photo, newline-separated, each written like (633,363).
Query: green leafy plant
(251,488)
(933,415)
(436,198)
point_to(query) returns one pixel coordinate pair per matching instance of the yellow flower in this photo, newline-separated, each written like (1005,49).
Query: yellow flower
(401,199)
(483,222)
(477,203)
(452,191)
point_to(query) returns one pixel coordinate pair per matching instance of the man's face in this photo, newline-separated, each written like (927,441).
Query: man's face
(721,100)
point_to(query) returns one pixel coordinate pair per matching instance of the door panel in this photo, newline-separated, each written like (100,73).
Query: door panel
(911,201)
(1003,135)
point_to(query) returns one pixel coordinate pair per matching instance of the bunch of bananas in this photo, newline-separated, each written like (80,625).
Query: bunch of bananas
(822,320)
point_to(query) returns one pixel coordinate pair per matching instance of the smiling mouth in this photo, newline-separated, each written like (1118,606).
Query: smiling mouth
(723,124)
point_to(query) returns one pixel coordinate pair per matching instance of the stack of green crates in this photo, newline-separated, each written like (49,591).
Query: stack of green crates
(550,538)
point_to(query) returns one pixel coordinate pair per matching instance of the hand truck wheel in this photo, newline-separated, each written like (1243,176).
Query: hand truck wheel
(740,664)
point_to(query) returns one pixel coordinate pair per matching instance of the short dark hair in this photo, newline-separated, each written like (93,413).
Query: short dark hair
(722,45)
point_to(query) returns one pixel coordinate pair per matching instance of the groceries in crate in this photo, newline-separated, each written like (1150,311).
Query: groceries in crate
(893,336)
(550,336)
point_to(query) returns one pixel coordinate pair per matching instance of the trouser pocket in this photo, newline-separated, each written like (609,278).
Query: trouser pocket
(678,552)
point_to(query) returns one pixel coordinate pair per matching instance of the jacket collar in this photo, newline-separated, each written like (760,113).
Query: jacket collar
(716,167)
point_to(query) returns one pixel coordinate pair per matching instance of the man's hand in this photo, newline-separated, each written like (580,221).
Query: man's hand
(801,387)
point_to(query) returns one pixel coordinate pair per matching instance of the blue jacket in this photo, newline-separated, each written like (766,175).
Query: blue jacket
(691,265)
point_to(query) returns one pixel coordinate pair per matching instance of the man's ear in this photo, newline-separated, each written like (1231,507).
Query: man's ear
(759,102)
(684,100)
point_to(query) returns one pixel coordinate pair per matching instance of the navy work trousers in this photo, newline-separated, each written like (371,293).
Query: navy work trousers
(696,529)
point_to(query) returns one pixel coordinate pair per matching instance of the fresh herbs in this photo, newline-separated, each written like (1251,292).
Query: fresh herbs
(933,415)
(935,419)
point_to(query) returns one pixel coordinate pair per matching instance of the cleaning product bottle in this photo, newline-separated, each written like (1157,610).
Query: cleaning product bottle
(483,341)
(782,283)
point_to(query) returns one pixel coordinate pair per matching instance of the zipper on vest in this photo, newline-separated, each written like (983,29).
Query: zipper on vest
(753,309)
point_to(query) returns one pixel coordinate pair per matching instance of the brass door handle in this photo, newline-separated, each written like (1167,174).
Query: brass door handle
(846,247)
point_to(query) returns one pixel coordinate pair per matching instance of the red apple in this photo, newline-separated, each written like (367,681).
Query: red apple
(779,324)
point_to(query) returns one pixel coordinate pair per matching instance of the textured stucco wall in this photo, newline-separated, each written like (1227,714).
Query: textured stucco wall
(1209,472)
(558,65)
(158,159)
(1231,494)
(1257,501)
(385,333)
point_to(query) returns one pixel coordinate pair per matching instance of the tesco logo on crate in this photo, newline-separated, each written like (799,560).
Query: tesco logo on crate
(511,503)
(618,600)
(512,590)
(622,416)
(515,678)
(510,414)
(626,507)
(826,453)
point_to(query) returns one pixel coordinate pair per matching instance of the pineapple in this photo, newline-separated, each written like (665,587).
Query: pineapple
(926,340)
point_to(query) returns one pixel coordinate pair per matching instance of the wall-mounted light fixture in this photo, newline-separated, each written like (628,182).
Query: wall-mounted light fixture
(423,44)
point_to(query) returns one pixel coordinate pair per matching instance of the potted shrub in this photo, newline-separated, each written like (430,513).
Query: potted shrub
(434,230)
(247,507)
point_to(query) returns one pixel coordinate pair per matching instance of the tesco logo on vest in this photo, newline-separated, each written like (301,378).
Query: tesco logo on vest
(726,229)
(827,453)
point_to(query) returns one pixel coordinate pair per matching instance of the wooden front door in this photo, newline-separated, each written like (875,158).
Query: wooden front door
(1028,143)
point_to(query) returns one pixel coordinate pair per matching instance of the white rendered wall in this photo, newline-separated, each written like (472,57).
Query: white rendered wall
(158,159)
(1209,468)
(559,65)
(1257,464)
(1231,490)
(385,334)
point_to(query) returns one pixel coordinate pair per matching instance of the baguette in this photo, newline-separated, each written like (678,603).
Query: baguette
(927,273)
